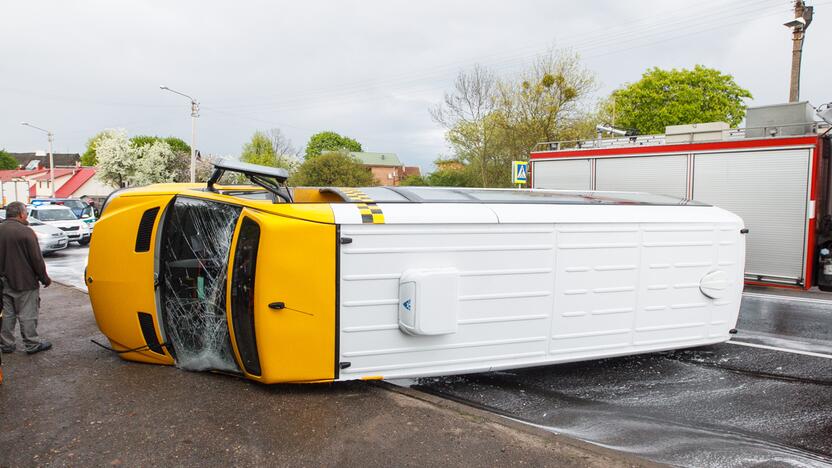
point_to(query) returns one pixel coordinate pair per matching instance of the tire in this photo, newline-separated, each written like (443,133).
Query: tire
(825,288)
(83,242)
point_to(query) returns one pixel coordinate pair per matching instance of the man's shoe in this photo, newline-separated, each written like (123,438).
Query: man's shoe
(42,346)
(7,349)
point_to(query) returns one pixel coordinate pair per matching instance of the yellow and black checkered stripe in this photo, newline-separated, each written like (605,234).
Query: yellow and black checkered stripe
(370,212)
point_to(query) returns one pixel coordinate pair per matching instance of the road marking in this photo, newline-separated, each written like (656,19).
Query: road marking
(787,298)
(785,350)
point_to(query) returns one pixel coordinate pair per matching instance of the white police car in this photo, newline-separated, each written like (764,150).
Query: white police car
(64,219)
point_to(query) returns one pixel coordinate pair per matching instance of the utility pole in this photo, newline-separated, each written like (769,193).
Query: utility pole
(50,136)
(194,115)
(801,21)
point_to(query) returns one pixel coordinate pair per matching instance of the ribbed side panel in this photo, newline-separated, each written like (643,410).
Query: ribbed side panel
(768,191)
(532,294)
(505,296)
(566,174)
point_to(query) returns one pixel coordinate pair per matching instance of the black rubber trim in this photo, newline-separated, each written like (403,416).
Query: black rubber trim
(243,278)
(149,333)
(145,231)
(337,365)
(409,196)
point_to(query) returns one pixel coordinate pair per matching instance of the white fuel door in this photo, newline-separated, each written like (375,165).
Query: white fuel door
(429,301)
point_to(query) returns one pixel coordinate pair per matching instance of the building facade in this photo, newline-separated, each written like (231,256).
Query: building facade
(386,168)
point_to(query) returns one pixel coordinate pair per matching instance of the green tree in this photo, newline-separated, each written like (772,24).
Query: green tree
(464,113)
(330,141)
(414,180)
(7,161)
(269,149)
(452,178)
(335,168)
(456,177)
(545,103)
(259,150)
(677,97)
(177,145)
(90,158)
(492,121)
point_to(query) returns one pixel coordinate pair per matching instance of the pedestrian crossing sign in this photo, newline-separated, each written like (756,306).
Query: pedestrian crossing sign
(519,172)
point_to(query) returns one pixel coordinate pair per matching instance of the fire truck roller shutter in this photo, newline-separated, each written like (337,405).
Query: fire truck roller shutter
(769,190)
(565,174)
(663,175)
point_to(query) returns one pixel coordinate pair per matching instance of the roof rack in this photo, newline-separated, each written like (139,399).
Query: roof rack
(272,179)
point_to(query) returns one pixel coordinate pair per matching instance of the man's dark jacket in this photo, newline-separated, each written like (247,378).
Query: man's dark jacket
(21,261)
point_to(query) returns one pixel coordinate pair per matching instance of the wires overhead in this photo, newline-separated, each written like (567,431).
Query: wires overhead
(656,29)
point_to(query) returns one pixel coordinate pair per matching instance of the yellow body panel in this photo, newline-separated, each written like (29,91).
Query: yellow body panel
(120,280)
(296,266)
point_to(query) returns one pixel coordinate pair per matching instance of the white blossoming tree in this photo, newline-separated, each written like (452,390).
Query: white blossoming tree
(153,164)
(115,158)
(122,163)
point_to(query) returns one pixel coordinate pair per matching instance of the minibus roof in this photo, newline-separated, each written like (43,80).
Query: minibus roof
(514,196)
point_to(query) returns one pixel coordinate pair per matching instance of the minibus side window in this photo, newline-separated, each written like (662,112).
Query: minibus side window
(242,295)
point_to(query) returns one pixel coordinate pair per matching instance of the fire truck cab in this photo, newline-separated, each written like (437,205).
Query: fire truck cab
(775,174)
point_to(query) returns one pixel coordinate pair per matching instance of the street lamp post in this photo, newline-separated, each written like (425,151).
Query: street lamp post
(49,136)
(194,115)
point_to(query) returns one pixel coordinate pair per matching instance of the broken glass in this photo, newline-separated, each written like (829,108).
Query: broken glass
(193,264)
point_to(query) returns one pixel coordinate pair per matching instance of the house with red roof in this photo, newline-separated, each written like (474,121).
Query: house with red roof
(24,185)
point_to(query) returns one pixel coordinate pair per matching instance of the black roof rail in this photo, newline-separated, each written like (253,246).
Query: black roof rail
(272,179)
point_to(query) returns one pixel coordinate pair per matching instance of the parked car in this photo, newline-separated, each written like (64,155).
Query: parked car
(79,207)
(64,219)
(50,238)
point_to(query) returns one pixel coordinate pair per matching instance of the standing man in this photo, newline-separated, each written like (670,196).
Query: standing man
(21,268)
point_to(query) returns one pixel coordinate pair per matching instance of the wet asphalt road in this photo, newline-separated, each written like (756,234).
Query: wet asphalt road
(79,405)
(722,405)
(67,266)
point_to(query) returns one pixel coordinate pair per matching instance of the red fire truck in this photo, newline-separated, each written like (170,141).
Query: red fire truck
(775,174)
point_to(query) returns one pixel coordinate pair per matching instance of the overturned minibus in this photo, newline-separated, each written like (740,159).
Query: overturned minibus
(282,284)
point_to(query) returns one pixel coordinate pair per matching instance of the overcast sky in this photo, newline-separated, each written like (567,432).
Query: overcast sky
(366,69)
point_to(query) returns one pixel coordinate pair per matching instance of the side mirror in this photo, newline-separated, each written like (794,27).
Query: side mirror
(85,215)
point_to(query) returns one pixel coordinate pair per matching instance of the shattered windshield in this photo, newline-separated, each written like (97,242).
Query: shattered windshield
(193,264)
